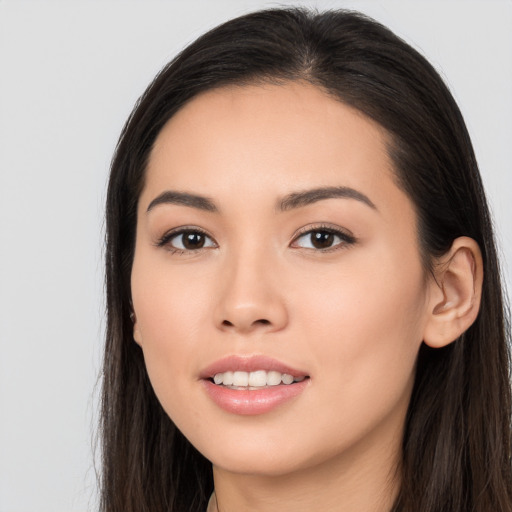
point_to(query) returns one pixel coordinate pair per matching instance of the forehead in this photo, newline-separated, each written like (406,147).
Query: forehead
(238,139)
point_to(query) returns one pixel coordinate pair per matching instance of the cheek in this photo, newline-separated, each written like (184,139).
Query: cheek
(171,308)
(366,325)
(169,300)
(364,351)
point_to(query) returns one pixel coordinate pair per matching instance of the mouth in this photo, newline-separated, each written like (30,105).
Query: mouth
(255,380)
(250,385)
(252,371)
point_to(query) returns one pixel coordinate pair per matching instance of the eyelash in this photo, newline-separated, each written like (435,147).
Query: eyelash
(165,240)
(346,239)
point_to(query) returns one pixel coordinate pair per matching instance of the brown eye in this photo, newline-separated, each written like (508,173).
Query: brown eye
(186,240)
(321,239)
(193,240)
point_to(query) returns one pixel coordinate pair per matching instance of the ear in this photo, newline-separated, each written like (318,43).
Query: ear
(136,332)
(455,293)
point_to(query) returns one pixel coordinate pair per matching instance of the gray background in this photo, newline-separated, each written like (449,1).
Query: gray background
(70,73)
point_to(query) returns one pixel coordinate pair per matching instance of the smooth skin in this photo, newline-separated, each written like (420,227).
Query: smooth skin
(351,313)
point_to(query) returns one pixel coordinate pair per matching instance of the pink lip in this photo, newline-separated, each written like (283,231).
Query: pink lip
(251,402)
(249,364)
(256,401)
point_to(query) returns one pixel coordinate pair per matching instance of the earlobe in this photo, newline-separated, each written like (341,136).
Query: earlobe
(136,332)
(136,335)
(456,292)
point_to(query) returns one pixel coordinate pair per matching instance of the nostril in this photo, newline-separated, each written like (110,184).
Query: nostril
(261,321)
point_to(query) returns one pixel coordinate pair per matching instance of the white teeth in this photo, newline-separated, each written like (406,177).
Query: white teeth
(240,379)
(273,378)
(287,379)
(256,379)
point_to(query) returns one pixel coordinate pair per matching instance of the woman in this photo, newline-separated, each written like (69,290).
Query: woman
(302,286)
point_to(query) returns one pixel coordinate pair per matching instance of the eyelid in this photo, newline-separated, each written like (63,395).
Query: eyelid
(164,240)
(347,238)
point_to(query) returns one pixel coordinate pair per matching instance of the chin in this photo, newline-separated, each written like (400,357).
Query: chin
(264,465)
(265,454)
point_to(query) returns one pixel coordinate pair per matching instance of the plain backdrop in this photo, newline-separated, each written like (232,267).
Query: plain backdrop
(70,73)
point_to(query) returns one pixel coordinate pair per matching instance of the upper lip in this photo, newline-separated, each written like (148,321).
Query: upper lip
(249,363)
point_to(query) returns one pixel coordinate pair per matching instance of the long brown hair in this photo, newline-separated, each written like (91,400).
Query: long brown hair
(456,448)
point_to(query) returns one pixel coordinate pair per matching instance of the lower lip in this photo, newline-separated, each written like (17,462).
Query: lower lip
(252,402)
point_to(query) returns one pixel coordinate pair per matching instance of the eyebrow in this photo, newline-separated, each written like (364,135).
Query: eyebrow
(289,202)
(300,199)
(183,199)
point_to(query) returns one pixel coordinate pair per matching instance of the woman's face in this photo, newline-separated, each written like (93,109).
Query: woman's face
(273,245)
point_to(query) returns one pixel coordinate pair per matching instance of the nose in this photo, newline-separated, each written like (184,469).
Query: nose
(251,297)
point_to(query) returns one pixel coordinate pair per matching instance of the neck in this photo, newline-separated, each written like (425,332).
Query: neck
(364,480)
